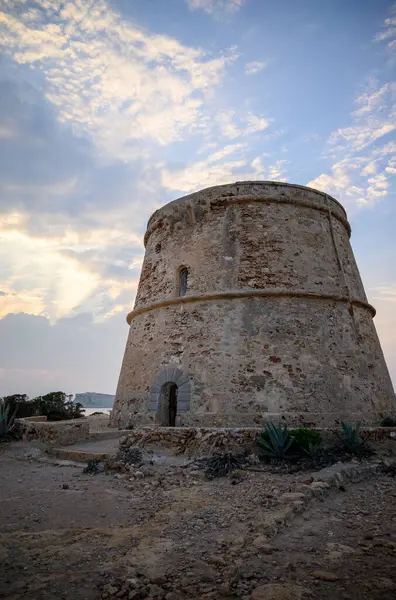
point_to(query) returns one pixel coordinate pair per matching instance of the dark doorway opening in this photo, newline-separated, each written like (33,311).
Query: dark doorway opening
(172,405)
(167,413)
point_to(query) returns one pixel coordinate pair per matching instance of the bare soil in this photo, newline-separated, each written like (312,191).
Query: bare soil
(172,534)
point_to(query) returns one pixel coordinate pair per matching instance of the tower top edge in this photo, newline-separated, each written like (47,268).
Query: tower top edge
(244,188)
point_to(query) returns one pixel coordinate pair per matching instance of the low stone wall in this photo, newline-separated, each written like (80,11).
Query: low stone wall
(322,483)
(194,440)
(206,440)
(55,433)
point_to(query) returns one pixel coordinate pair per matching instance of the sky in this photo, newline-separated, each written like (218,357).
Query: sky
(109,110)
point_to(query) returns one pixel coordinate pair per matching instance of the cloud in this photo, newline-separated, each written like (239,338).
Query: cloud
(388,33)
(93,101)
(374,118)
(348,180)
(216,7)
(216,171)
(276,171)
(50,357)
(252,68)
(338,181)
(110,79)
(231,127)
(364,156)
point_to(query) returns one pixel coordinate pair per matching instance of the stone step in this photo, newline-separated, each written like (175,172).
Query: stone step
(85,451)
(107,434)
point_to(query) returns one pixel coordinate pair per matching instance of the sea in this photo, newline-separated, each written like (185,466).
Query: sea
(90,411)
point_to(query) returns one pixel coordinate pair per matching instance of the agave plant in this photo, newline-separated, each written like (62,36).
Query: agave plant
(313,451)
(275,440)
(7,420)
(350,438)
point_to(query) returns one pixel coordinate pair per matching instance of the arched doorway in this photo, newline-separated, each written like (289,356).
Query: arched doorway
(168,405)
(172,405)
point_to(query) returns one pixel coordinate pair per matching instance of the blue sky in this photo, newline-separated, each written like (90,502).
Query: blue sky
(109,110)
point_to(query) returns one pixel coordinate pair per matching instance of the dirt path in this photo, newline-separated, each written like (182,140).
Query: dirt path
(173,535)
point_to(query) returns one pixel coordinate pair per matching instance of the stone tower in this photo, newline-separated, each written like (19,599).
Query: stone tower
(250,306)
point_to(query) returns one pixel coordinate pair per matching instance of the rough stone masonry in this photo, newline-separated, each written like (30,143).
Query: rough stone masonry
(250,306)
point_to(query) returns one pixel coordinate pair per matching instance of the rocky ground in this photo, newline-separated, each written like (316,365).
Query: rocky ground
(165,532)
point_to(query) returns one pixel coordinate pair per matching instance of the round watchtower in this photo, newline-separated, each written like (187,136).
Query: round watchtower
(250,306)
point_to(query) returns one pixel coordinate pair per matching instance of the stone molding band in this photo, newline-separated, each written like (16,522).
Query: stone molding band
(250,199)
(230,295)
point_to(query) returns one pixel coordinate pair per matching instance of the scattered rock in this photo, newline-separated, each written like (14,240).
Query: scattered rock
(320,485)
(158,580)
(216,559)
(156,591)
(278,591)
(109,591)
(261,543)
(384,583)
(289,497)
(65,486)
(324,575)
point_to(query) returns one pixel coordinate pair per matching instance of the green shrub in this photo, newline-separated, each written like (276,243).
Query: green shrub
(314,451)
(275,440)
(21,404)
(57,406)
(350,439)
(304,437)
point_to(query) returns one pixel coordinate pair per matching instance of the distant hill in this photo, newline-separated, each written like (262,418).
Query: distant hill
(94,400)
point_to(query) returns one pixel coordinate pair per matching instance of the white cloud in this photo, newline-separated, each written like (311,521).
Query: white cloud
(215,171)
(370,168)
(374,118)
(347,180)
(109,78)
(338,181)
(378,186)
(370,100)
(363,166)
(276,171)
(216,7)
(361,136)
(252,68)
(231,127)
(388,33)
(391,168)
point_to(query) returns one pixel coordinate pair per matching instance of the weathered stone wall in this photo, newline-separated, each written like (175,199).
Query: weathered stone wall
(55,433)
(275,320)
(205,441)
